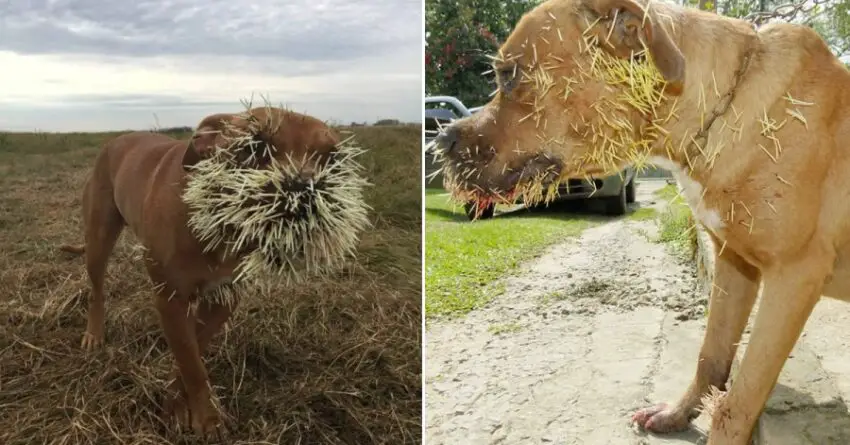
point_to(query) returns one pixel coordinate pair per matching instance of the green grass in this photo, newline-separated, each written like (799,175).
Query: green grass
(676,224)
(643,214)
(668,192)
(462,258)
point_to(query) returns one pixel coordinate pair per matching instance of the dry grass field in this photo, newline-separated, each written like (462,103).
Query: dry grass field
(333,362)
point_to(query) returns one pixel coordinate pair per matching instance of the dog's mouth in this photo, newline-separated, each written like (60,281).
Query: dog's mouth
(288,200)
(492,185)
(281,203)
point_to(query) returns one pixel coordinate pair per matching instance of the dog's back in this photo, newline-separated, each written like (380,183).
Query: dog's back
(132,168)
(132,174)
(131,155)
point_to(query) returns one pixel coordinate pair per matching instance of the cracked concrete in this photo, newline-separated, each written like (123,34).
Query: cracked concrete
(597,328)
(576,343)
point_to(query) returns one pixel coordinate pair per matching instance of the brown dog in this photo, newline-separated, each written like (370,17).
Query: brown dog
(756,126)
(137,181)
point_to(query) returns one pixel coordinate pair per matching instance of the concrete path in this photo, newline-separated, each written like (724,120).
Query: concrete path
(595,329)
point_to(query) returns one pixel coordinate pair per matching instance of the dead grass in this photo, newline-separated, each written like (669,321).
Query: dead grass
(327,363)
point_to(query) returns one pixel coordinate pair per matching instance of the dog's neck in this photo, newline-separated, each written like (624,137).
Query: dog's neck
(718,53)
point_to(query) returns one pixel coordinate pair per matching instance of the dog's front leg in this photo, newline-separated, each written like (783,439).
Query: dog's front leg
(791,291)
(178,322)
(210,320)
(733,293)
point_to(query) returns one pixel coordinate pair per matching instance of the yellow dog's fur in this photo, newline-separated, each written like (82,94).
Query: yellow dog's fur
(777,211)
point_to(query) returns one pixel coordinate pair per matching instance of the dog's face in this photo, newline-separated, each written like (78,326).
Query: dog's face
(559,110)
(275,189)
(265,132)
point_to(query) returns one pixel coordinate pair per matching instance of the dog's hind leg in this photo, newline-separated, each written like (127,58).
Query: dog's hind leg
(791,291)
(103,225)
(733,293)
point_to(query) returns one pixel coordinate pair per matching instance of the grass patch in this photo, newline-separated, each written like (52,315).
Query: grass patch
(334,362)
(462,258)
(668,192)
(676,222)
(643,214)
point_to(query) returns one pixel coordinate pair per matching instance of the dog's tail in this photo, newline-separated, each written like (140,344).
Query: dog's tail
(77,250)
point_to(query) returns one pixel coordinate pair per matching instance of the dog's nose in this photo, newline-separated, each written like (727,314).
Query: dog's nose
(447,139)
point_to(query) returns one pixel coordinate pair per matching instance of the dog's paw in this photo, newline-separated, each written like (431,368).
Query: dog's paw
(91,341)
(661,418)
(207,423)
(204,420)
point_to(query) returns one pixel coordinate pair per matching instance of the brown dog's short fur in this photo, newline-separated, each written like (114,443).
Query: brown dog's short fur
(768,175)
(137,181)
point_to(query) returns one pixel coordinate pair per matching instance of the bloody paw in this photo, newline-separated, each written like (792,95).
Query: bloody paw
(661,418)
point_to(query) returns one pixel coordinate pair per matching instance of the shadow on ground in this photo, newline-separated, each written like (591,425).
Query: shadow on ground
(580,207)
(794,413)
(693,435)
(791,415)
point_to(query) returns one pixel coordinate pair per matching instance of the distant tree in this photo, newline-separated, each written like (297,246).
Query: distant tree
(174,130)
(387,122)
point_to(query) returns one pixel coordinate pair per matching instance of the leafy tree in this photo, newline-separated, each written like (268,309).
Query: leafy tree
(459,35)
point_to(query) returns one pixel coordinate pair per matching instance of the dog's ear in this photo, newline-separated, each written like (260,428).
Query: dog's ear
(203,140)
(636,27)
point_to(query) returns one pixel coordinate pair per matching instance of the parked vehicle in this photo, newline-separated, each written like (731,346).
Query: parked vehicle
(439,112)
(615,191)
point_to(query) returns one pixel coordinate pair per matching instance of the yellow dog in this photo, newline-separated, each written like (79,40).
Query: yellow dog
(756,127)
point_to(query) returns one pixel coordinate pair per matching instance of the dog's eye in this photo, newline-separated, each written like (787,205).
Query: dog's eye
(506,77)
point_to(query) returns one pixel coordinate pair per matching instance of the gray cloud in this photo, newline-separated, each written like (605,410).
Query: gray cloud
(128,101)
(363,57)
(306,30)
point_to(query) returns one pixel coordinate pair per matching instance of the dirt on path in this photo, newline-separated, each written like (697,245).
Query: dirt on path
(598,327)
(581,337)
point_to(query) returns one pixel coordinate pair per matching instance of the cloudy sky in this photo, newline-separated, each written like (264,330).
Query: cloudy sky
(120,64)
